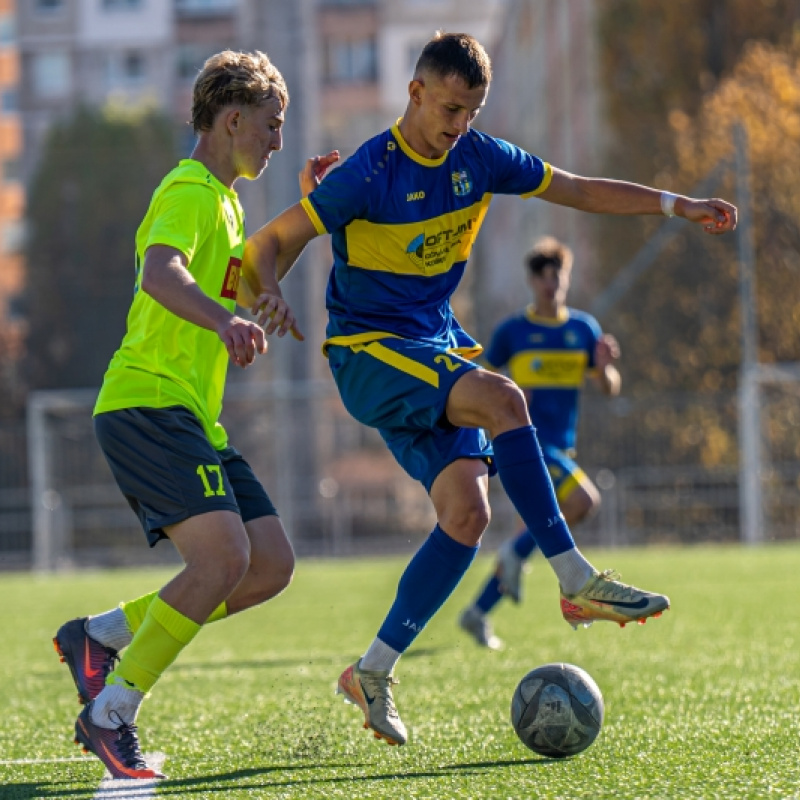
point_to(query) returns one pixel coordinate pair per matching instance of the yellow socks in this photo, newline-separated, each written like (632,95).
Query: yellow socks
(161,636)
(136,610)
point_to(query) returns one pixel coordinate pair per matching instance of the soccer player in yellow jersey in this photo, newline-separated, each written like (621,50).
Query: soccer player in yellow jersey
(156,417)
(403,213)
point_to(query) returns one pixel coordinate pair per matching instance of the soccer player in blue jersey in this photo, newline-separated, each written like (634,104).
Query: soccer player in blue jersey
(404,212)
(547,350)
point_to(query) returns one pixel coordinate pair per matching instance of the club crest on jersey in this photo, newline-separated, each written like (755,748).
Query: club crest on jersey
(462,183)
(571,338)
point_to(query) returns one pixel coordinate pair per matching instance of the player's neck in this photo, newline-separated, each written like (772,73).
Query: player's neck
(220,168)
(547,310)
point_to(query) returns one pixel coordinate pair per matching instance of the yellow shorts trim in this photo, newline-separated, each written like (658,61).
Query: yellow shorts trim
(398,361)
(570,484)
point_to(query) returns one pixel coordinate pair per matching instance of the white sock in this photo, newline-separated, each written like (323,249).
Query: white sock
(116,704)
(110,629)
(572,570)
(379,658)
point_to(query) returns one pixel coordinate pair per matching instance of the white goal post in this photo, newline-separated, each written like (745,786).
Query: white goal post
(752,468)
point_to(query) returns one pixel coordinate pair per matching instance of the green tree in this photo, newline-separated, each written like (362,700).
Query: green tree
(95,178)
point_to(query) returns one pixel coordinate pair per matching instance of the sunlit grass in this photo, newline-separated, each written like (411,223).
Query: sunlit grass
(702,703)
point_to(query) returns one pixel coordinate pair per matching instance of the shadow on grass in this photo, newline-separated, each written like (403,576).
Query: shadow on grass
(43,791)
(220,783)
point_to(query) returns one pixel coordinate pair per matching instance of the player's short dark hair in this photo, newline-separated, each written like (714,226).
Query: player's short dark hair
(548,252)
(456,54)
(234,78)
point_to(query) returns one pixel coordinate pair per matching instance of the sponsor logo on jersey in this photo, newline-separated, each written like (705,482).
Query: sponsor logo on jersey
(231,283)
(462,183)
(427,251)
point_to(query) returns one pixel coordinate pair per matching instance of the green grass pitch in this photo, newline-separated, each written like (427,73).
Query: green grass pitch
(701,703)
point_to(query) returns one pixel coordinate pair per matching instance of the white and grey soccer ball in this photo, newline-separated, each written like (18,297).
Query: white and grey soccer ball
(557,710)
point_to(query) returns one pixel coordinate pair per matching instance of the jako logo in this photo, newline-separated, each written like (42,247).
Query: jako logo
(411,196)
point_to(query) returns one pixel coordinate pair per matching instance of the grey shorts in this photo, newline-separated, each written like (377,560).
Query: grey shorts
(168,471)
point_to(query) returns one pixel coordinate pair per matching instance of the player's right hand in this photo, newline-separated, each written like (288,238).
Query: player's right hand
(243,340)
(275,314)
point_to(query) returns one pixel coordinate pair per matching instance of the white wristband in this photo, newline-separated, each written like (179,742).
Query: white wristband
(668,204)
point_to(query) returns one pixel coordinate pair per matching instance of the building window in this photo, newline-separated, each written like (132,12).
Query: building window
(126,68)
(50,75)
(12,170)
(122,5)
(191,57)
(9,101)
(8,32)
(352,61)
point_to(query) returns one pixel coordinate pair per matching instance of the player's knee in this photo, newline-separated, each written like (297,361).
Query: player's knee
(233,563)
(282,571)
(508,408)
(467,522)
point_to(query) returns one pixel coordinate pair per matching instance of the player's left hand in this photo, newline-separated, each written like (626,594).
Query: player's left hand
(715,215)
(275,315)
(314,171)
(606,351)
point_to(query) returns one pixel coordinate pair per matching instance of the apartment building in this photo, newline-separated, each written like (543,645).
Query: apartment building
(11,192)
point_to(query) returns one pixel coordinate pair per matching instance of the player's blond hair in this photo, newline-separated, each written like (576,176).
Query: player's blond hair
(548,251)
(234,78)
(456,54)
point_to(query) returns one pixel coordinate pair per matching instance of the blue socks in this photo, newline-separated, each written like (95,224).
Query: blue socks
(525,478)
(429,579)
(524,545)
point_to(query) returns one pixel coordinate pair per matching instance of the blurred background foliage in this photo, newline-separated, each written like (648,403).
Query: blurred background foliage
(678,77)
(91,189)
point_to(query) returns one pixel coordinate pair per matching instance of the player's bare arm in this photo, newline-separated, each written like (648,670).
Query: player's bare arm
(269,254)
(606,196)
(166,278)
(313,172)
(606,352)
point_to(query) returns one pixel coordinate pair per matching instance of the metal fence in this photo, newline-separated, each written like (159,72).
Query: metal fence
(340,492)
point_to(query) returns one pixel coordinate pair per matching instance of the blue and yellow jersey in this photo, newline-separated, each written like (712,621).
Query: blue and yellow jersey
(548,359)
(403,227)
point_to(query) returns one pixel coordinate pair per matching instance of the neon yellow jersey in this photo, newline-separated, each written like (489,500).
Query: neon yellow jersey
(165,360)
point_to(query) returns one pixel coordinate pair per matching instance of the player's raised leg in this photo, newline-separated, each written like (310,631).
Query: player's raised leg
(577,498)
(484,399)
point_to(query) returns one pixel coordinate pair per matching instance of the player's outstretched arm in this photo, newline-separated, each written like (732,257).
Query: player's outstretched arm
(268,256)
(166,278)
(606,196)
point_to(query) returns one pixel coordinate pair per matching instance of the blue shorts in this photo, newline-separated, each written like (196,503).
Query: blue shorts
(400,387)
(564,472)
(168,471)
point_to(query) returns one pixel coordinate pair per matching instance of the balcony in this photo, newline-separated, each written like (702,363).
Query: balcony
(205,8)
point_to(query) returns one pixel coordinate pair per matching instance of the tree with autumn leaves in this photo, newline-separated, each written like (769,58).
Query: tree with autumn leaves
(680,324)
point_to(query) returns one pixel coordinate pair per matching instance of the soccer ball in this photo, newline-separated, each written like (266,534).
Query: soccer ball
(557,710)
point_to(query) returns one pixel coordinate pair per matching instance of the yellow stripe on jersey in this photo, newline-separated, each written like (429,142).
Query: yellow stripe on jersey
(405,249)
(554,369)
(548,176)
(313,216)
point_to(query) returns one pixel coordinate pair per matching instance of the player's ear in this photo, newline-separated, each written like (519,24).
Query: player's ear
(233,118)
(415,91)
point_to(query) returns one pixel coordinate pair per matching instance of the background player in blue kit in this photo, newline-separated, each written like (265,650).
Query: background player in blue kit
(547,350)
(403,213)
